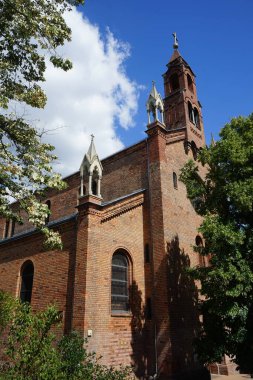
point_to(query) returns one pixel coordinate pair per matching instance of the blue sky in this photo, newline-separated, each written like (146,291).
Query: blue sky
(215,38)
(106,91)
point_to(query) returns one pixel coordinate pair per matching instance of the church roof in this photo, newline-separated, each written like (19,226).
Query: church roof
(175,55)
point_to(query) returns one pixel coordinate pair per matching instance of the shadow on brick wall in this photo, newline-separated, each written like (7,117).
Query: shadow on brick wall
(175,331)
(138,330)
(183,313)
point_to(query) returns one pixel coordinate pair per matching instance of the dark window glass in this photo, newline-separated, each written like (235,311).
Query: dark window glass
(6,232)
(12,227)
(94,187)
(174,82)
(119,288)
(196,118)
(174,180)
(27,282)
(48,203)
(190,112)
(146,253)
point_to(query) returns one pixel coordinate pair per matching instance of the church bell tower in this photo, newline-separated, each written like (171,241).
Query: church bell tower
(181,106)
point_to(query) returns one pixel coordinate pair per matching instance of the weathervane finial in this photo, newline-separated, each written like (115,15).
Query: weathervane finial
(175,45)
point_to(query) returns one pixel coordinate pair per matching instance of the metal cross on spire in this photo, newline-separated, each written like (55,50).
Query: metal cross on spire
(175,45)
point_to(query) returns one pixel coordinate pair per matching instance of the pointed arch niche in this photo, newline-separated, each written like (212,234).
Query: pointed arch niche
(26,285)
(91,167)
(155,106)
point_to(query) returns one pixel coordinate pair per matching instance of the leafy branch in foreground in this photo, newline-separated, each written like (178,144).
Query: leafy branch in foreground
(32,351)
(226,201)
(30,30)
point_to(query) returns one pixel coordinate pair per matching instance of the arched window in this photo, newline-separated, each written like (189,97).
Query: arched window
(174,82)
(199,244)
(190,112)
(27,273)
(94,181)
(196,118)
(190,82)
(48,203)
(94,187)
(120,282)
(175,180)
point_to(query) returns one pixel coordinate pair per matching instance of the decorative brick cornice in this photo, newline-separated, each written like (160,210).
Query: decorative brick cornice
(175,135)
(32,231)
(122,207)
(193,130)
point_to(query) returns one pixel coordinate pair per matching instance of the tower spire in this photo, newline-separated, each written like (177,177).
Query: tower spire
(212,140)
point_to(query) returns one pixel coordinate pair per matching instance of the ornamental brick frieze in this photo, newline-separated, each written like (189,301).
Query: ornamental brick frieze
(122,208)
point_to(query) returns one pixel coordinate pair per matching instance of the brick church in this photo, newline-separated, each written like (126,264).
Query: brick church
(128,232)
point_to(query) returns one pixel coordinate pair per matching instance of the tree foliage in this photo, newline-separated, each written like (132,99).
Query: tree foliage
(30,31)
(225,199)
(32,352)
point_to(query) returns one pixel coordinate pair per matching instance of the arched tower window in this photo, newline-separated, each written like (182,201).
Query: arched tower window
(48,203)
(190,82)
(175,180)
(27,273)
(174,82)
(94,182)
(190,112)
(120,282)
(196,118)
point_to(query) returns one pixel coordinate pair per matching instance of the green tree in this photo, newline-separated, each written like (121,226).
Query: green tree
(224,198)
(30,31)
(32,352)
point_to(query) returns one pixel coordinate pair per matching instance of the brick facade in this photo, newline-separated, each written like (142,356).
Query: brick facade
(144,213)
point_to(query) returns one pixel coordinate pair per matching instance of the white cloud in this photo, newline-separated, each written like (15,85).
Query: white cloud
(93,97)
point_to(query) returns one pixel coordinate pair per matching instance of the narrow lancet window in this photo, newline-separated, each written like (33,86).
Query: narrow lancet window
(175,180)
(120,283)
(27,273)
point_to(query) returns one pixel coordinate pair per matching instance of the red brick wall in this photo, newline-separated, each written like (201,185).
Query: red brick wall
(115,337)
(53,270)
(123,173)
